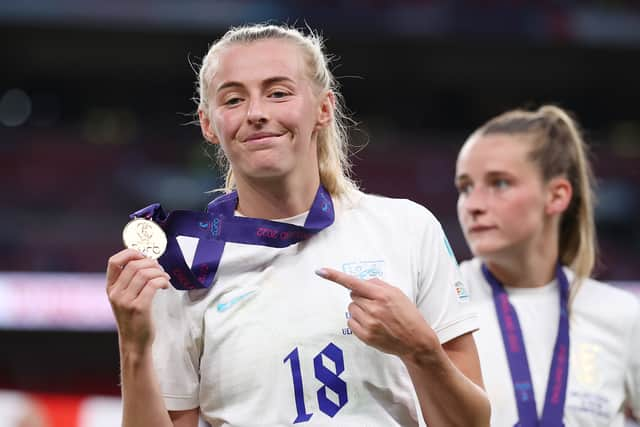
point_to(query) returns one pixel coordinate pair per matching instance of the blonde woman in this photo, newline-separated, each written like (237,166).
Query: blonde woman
(556,347)
(264,338)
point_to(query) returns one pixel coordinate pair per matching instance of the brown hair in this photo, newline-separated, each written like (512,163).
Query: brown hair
(559,150)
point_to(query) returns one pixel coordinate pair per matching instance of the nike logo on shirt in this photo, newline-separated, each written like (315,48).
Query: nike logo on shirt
(224,306)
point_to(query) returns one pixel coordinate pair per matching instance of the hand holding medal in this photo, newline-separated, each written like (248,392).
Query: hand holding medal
(133,277)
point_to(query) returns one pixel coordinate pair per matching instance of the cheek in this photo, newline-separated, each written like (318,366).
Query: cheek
(293,121)
(298,118)
(522,214)
(227,123)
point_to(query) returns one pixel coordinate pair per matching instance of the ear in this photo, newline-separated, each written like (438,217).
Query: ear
(325,110)
(559,194)
(207,128)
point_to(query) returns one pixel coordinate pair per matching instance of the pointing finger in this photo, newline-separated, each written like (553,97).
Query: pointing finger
(356,286)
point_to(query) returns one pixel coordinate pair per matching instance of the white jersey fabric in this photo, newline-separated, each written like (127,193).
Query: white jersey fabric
(604,333)
(268,343)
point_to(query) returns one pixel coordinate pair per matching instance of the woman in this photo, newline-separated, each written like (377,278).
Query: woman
(270,342)
(554,345)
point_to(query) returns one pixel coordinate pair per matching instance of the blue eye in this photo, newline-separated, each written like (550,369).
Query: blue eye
(232,101)
(464,188)
(278,94)
(501,184)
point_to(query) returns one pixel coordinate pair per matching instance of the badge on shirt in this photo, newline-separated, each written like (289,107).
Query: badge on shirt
(365,270)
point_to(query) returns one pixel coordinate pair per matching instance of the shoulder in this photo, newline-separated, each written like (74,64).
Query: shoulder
(471,273)
(605,298)
(383,207)
(470,267)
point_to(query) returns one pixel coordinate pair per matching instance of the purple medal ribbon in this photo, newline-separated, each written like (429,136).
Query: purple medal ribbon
(218,225)
(519,365)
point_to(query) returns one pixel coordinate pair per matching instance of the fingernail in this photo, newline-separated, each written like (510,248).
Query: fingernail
(322,272)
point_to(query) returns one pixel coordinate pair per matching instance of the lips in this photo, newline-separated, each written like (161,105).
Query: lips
(480,228)
(260,136)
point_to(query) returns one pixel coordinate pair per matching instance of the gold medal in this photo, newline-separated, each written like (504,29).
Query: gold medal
(145,236)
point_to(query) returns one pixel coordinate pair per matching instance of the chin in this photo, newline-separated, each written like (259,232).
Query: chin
(486,250)
(267,168)
(267,173)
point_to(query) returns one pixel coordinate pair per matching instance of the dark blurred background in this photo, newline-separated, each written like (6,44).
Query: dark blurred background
(96,110)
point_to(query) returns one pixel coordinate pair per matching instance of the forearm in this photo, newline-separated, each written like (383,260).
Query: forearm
(143,404)
(446,396)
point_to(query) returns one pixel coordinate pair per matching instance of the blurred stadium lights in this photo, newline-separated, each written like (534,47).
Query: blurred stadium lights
(110,126)
(15,107)
(189,14)
(20,409)
(49,410)
(54,301)
(601,26)
(588,21)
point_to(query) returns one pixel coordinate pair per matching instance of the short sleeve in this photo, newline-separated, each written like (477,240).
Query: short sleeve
(632,378)
(176,349)
(443,298)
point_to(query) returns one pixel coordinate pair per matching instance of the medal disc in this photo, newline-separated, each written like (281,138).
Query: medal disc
(145,236)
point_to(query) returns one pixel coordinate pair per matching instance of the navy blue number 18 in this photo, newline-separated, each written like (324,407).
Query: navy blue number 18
(328,378)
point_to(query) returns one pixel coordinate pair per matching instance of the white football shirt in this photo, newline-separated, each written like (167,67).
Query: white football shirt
(604,364)
(268,343)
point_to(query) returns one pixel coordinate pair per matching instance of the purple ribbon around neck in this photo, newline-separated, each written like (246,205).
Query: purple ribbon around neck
(519,365)
(217,226)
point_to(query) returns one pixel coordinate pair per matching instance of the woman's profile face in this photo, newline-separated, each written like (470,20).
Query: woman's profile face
(263,110)
(501,195)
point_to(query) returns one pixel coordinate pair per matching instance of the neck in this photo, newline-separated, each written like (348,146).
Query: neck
(271,199)
(529,267)
(525,274)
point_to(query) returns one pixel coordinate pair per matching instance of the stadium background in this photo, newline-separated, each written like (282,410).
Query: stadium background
(95,112)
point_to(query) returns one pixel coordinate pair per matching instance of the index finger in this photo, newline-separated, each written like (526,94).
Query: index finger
(117,262)
(357,286)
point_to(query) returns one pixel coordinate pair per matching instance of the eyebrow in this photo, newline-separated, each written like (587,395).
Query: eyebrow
(498,173)
(489,174)
(461,177)
(266,82)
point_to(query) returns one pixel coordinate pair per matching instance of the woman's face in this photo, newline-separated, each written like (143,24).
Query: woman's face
(502,197)
(264,112)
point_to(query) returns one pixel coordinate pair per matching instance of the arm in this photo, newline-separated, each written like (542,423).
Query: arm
(446,378)
(188,418)
(132,281)
(459,399)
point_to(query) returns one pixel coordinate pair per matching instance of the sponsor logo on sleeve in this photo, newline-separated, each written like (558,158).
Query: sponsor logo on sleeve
(461,292)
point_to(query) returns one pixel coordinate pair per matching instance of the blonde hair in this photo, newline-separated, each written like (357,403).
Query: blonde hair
(559,150)
(333,144)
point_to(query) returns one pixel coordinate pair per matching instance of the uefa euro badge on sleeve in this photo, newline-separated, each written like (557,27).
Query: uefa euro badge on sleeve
(145,236)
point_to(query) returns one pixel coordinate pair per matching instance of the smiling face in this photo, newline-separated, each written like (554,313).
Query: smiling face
(502,202)
(264,111)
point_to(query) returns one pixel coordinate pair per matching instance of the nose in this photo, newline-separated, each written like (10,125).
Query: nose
(256,113)
(474,202)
